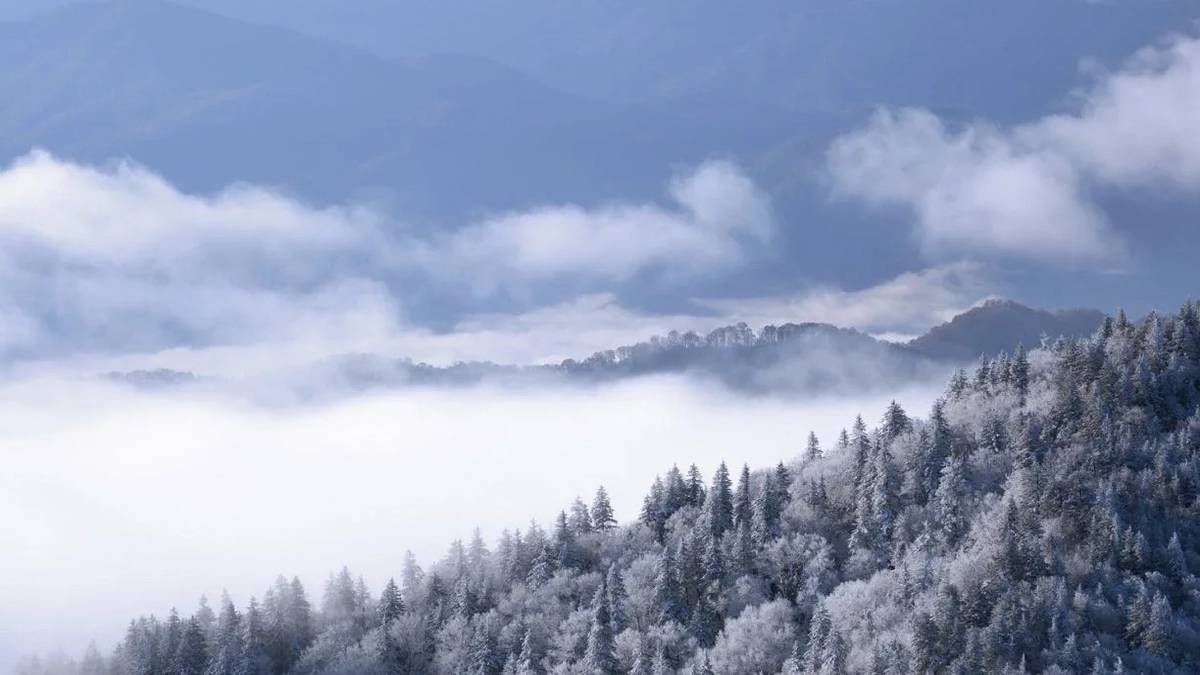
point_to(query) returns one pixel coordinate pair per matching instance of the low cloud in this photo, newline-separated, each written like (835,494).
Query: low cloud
(908,304)
(1027,191)
(115,260)
(718,217)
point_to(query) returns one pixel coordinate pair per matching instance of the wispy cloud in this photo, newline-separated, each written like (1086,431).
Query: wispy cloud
(906,304)
(116,260)
(1027,191)
(718,217)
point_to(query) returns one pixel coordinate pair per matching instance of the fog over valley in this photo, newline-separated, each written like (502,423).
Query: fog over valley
(122,501)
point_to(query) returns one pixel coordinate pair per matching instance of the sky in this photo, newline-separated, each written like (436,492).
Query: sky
(117,500)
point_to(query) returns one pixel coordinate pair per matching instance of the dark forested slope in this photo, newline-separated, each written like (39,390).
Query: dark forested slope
(1043,518)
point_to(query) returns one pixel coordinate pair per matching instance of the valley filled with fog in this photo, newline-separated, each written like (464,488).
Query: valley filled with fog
(120,501)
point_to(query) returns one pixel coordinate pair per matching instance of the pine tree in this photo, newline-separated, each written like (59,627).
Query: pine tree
(884,497)
(819,628)
(580,520)
(543,568)
(615,587)
(720,503)
(950,502)
(192,656)
(481,652)
(1020,372)
(528,660)
(705,622)
(667,592)
(564,539)
(1011,552)
(600,656)
(391,606)
(228,648)
(207,618)
(895,422)
(741,499)
(924,643)
(299,620)
(675,493)
(602,511)
(781,484)
(713,563)
(1160,630)
(695,487)
(654,508)
(255,659)
(765,513)
(860,445)
(1176,560)
(812,451)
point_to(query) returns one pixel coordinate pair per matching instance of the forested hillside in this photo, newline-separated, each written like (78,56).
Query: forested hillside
(1042,518)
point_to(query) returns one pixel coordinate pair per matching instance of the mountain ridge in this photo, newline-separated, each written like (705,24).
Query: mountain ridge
(807,357)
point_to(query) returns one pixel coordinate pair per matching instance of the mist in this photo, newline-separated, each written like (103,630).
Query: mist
(119,502)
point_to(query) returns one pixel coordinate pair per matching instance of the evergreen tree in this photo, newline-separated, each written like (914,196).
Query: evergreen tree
(720,503)
(895,422)
(713,563)
(695,487)
(741,499)
(192,655)
(819,628)
(615,587)
(667,592)
(812,451)
(950,502)
(602,512)
(600,656)
(391,606)
(705,622)
(228,648)
(255,657)
(481,653)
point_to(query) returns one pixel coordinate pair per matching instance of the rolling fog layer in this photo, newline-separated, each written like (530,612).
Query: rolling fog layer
(116,502)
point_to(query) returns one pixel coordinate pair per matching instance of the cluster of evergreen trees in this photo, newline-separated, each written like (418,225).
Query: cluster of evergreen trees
(1043,518)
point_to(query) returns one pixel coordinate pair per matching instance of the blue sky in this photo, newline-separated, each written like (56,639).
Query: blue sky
(915,215)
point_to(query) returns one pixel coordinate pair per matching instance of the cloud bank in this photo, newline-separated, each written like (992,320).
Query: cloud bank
(719,216)
(116,260)
(1029,191)
(907,304)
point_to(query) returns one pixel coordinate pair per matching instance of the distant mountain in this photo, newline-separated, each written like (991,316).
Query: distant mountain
(807,358)
(208,100)
(1001,325)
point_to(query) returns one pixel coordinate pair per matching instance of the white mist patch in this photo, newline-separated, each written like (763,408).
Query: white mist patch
(115,502)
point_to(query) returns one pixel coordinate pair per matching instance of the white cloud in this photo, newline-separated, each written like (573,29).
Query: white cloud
(718,214)
(1026,191)
(1139,125)
(116,260)
(975,190)
(905,305)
